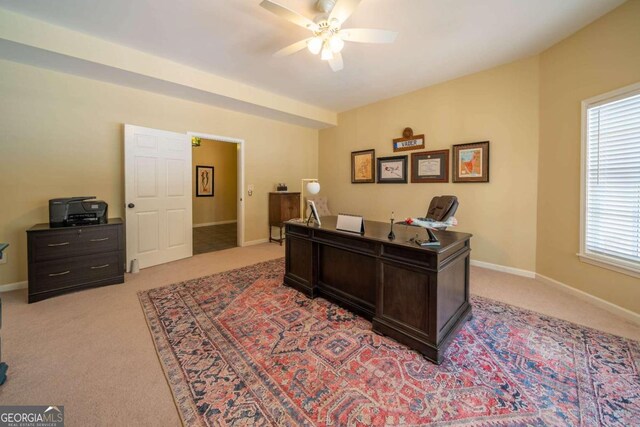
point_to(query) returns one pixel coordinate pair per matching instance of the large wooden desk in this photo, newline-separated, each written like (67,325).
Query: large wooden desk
(418,296)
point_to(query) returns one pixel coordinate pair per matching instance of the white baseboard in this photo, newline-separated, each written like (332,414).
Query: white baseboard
(13,286)
(504,269)
(255,242)
(206,224)
(599,302)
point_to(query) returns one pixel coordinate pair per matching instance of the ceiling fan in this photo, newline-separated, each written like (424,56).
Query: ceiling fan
(328,35)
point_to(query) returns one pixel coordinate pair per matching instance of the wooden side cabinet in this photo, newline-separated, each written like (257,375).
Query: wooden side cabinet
(67,259)
(282,207)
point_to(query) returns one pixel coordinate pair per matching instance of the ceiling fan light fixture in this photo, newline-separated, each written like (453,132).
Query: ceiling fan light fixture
(315,45)
(327,53)
(327,38)
(336,43)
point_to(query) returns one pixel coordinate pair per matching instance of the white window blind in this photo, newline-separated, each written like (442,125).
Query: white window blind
(612,178)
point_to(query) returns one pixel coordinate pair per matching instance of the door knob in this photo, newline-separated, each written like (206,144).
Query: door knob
(131,206)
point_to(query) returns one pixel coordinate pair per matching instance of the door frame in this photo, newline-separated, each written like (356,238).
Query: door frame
(240,177)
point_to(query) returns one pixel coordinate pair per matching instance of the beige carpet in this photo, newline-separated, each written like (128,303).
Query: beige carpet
(92,352)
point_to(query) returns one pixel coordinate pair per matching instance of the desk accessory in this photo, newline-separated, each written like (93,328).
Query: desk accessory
(432,240)
(350,223)
(313,212)
(391,235)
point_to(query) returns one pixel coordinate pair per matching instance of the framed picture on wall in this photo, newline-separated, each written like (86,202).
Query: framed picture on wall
(362,166)
(471,162)
(392,170)
(204,181)
(430,166)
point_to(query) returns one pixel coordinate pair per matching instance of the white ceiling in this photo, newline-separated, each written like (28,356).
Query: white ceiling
(438,39)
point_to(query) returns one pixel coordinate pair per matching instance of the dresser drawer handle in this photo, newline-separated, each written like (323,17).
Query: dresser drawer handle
(59,274)
(99,240)
(99,266)
(58,244)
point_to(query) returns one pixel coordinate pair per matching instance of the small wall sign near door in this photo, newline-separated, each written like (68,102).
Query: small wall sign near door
(409,141)
(204,181)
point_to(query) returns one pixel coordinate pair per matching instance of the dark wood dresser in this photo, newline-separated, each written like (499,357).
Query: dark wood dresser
(282,207)
(67,259)
(418,296)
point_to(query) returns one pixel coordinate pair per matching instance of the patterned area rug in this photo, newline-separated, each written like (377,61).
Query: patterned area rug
(239,348)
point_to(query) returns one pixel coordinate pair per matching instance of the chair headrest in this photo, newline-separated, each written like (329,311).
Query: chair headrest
(442,207)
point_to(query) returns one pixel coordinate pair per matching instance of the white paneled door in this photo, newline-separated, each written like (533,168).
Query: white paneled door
(157,195)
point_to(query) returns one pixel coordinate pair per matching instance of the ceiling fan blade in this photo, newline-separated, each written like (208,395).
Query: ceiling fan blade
(292,48)
(343,10)
(367,35)
(288,14)
(336,63)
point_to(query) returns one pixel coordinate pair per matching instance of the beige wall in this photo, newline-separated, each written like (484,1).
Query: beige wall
(223,205)
(62,135)
(68,44)
(499,105)
(601,57)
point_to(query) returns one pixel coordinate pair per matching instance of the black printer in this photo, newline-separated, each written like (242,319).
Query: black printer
(70,211)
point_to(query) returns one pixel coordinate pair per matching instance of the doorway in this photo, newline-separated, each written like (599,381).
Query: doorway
(216,199)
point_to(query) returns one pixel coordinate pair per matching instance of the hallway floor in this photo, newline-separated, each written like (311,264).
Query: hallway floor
(214,238)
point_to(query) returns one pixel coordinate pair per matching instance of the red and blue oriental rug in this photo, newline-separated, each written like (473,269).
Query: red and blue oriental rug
(239,348)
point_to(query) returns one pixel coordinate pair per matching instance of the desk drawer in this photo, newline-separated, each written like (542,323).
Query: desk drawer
(73,242)
(417,256)
(355,242)
(297,230)
(99,240)
(59,274)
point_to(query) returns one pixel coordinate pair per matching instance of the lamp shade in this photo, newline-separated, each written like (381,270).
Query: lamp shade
(313,187)
(315,45)
(327,53)
(336,43)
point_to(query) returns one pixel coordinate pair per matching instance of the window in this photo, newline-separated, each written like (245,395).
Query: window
(610,214)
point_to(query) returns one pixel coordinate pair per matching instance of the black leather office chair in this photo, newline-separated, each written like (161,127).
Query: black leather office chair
(442,208)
